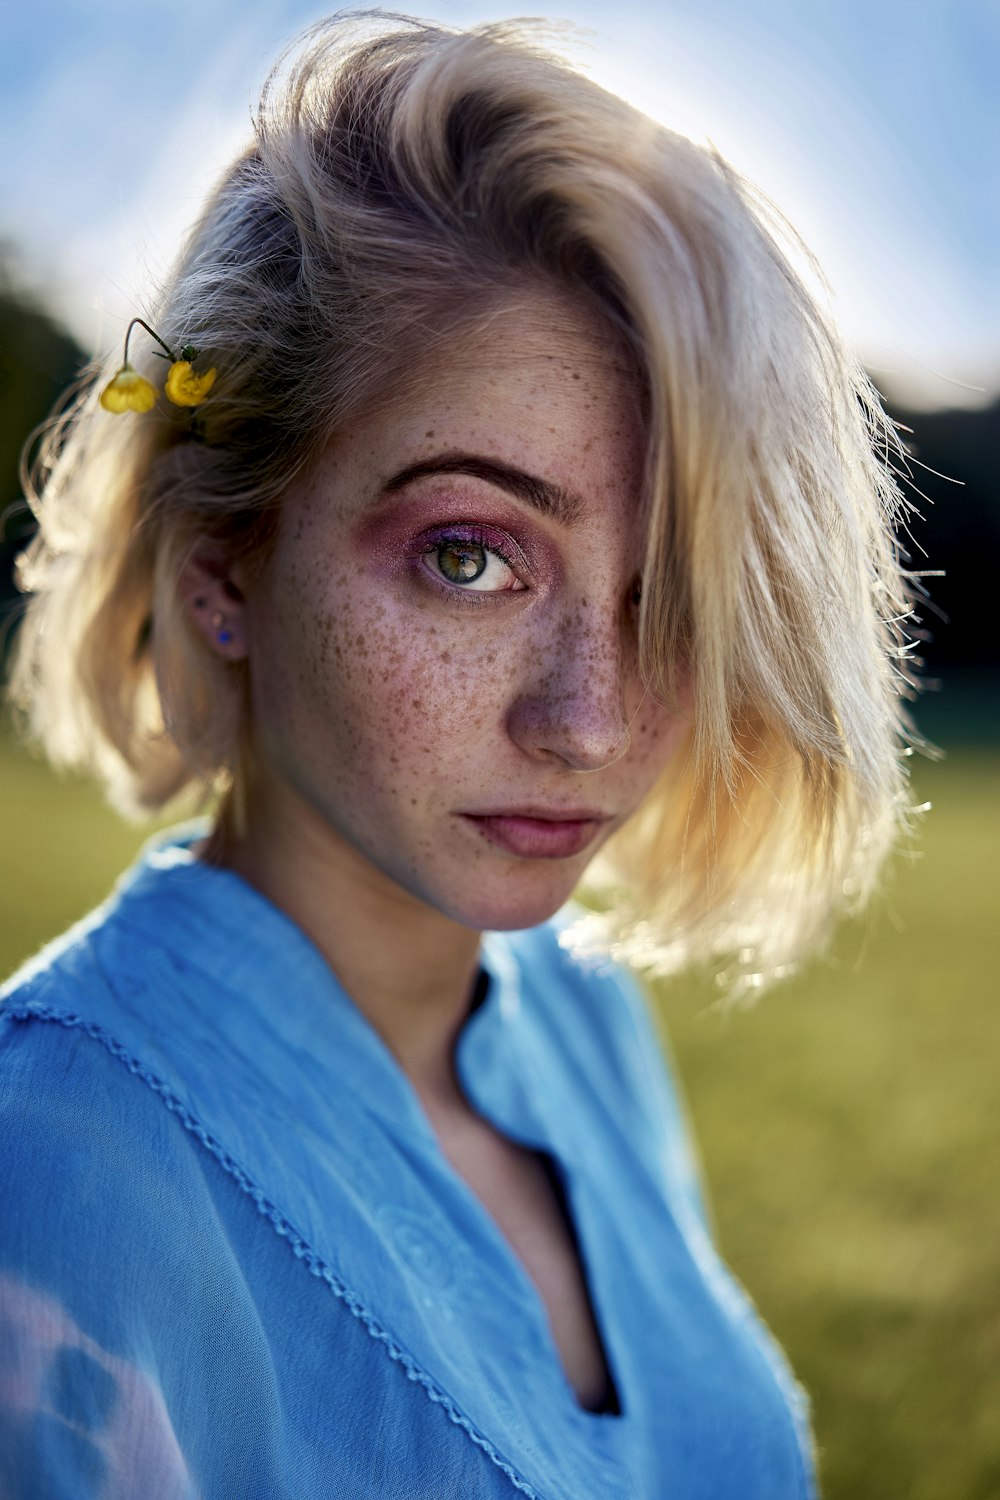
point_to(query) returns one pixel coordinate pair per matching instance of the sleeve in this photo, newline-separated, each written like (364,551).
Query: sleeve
(91,1254)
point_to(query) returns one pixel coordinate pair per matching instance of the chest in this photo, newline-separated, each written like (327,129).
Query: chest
(521,1192)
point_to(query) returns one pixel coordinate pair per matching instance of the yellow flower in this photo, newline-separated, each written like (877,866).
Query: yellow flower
(129,391)
(184,387)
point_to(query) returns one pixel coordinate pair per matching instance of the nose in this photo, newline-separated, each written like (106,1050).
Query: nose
(572,706)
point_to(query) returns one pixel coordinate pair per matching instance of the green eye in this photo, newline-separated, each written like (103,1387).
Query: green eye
(461,562)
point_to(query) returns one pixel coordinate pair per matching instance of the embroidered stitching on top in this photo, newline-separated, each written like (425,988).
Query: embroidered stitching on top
(37,1011)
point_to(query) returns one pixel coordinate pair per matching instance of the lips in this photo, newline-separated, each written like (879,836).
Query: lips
(531,833)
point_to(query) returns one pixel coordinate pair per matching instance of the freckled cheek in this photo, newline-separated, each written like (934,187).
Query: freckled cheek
(441,700)
(405,688)
(353,663)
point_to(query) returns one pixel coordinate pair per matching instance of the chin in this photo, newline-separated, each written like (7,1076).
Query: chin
(512,909)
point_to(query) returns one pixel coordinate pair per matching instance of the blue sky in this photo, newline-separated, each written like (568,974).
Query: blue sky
(875,127)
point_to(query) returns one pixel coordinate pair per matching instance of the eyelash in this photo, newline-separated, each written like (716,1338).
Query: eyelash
(489,540)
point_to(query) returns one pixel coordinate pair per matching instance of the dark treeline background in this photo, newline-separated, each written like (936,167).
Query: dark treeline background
(38,360)
(954,486)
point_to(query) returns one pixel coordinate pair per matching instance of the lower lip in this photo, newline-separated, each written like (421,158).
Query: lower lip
(537,838)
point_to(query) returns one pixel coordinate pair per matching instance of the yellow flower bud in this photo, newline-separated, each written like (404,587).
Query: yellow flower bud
(129,391)
(184,387)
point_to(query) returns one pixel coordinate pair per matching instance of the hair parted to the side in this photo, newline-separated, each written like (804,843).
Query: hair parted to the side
(406,180)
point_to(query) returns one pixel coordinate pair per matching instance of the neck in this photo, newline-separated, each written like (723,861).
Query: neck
(409,969)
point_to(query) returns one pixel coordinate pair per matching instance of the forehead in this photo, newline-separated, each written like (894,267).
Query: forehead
(544,386)
(541,351)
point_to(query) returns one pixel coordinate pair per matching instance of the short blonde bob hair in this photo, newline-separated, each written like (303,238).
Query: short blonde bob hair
(405,180)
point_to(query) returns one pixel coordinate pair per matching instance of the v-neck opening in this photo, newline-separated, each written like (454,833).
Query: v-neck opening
(611,1404)
(611,1409)
(611,1412)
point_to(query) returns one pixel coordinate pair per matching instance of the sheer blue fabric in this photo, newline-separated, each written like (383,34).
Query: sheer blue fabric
(235,1262)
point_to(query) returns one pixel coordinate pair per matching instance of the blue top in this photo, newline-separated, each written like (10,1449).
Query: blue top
(238,1263)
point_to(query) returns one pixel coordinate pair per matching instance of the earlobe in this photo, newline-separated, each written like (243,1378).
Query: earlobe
(214,606)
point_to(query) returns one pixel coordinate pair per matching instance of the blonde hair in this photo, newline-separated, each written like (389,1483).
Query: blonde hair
(405,178)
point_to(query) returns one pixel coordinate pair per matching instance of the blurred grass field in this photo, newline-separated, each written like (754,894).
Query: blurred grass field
(849,1127)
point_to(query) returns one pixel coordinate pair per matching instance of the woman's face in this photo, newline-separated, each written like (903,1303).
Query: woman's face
(443,646)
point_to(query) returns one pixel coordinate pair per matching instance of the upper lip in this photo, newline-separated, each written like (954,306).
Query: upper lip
(544,814)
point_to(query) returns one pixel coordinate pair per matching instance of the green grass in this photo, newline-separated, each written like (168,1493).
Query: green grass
(849,1126)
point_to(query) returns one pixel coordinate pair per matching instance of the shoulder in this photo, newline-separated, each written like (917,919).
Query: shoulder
(80,1125)
(63,985)
(72,977)
(53,1011)
(93,994)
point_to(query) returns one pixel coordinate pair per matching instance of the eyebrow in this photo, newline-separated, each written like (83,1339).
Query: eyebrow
(541,494)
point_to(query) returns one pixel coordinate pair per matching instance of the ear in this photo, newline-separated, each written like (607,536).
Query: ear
(213,602)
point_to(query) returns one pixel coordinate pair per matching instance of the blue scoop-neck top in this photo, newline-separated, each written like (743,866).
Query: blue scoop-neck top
(235,1261)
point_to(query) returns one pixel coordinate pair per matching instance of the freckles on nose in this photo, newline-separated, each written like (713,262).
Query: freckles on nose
(574,708)
(589,649)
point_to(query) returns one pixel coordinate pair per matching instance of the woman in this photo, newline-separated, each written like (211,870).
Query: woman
(519,505)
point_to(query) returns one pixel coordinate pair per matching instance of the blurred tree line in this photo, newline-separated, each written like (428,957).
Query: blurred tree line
(38,360)
(954,485)
(955,465)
